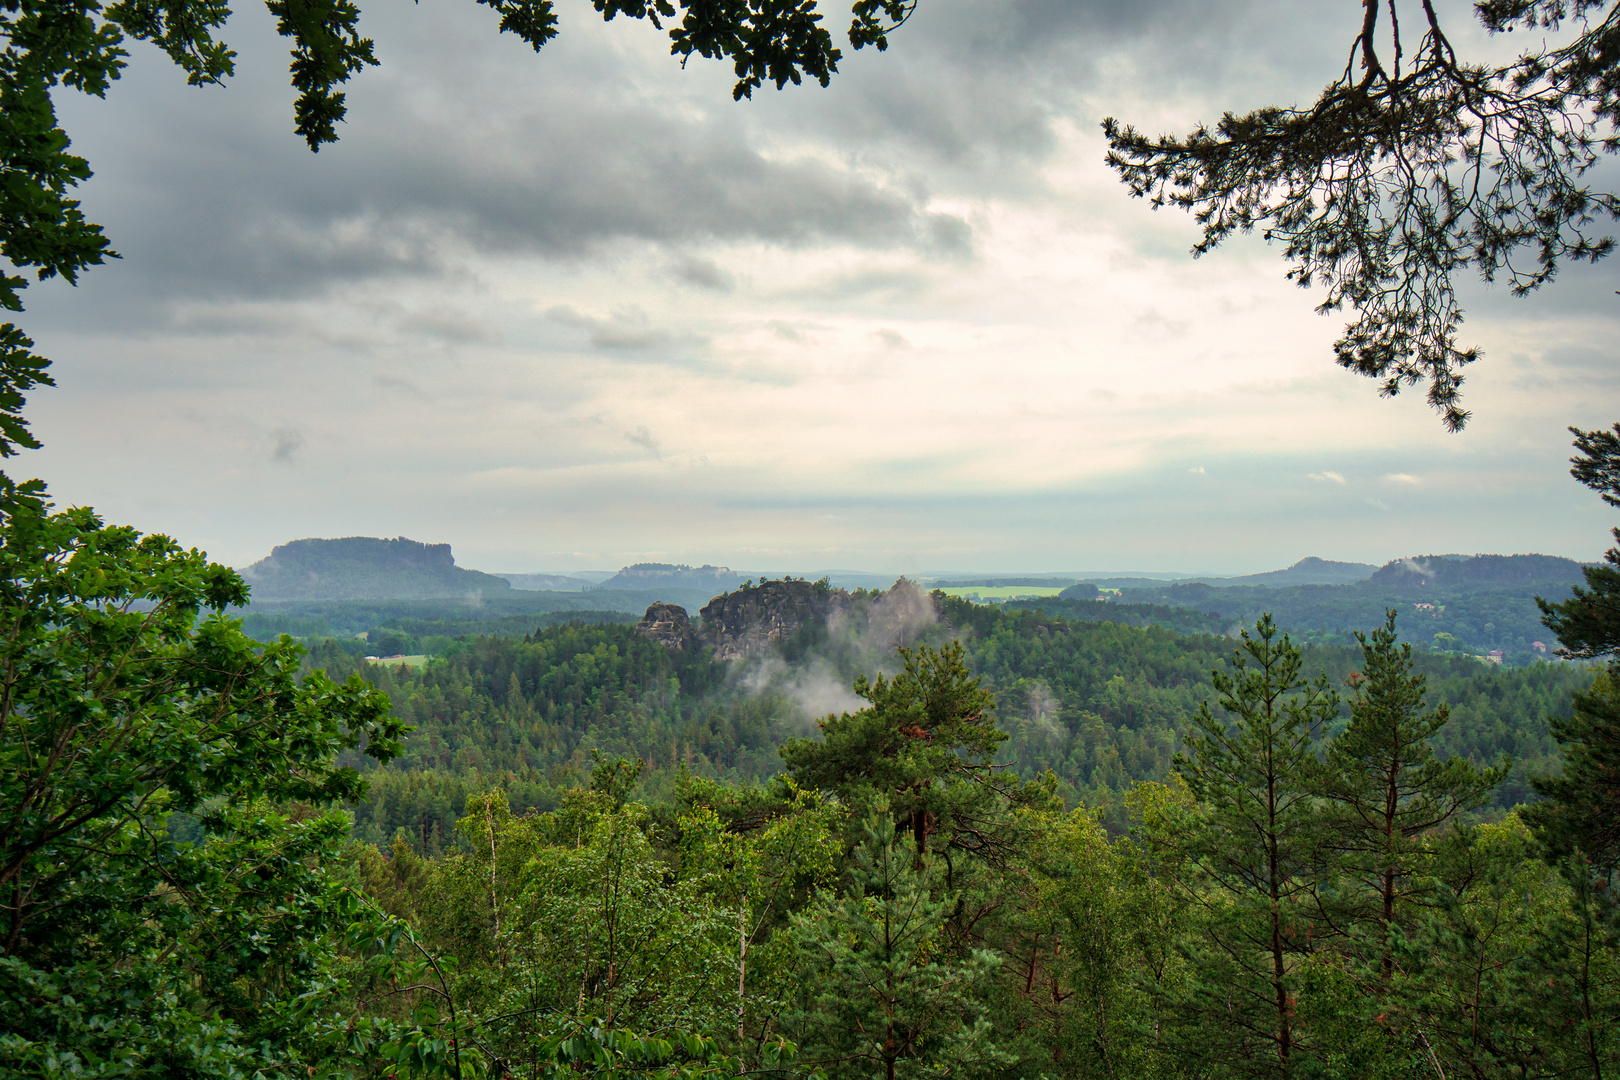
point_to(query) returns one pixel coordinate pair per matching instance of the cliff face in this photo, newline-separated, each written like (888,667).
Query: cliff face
(747,623)
(668,625)
(365,568)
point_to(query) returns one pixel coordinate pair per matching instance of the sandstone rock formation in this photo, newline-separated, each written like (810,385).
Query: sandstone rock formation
(748,622)
(668,625)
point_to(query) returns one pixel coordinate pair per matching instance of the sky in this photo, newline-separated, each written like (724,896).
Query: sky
(580,309)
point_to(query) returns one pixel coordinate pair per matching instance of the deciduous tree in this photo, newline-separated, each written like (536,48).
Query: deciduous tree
(123,950)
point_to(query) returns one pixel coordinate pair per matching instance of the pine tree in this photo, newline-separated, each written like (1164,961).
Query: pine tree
(1579,817)
(1588,623)
(1388,789)
(924,747)
(1254,771)
(883,997)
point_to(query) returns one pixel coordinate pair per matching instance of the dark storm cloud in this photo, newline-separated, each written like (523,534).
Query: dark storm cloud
(969,90)
(211,196)
(461,144)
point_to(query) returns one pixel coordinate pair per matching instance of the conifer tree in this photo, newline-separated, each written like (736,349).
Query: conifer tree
(1388,789)
(883,997)
(1579,815)
(924,747)
(1256,855)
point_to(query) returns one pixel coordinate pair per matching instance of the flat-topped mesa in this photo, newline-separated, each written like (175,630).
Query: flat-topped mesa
(749,621)
(365,568)
(668,625)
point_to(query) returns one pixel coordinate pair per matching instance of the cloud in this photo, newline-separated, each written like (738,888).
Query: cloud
(286,443)
(628,329)
(788,332)
(892,339)
(643,438)
(390,381)
(1326,476)
(701,273)
(447,325)
(1403,478)
(554,249)
(217,198)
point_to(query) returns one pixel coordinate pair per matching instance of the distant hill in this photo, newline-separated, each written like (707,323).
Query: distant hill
(365,568)
(644,576)
(1455,603)
(1309,571)
(1003,582)
(546,582)
(1462,571)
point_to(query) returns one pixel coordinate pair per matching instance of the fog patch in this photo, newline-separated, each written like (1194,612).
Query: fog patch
(899,617)
(815,686)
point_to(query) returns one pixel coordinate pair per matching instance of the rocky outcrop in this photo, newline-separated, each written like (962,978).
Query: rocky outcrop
(749,621)
(668,625)
(365,568)
(650,576)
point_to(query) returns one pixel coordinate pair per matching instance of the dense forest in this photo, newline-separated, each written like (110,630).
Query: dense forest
(1100,706)
(895,904)
(902,836)
(1290,829)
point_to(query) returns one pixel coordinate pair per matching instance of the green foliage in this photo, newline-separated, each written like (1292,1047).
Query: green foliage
(1488,979)
(1099,705)
(924,746)
(1379,191)
(1483,603)
(1074,608)
(1091,950)
(1579,816)
(1588,623)
(501,615)
(1235,930)
(881,995)
(604,916)
(1257,851)
(1389,789)
(122,949)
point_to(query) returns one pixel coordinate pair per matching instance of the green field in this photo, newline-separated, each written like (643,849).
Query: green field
(1001,592)
(409,661)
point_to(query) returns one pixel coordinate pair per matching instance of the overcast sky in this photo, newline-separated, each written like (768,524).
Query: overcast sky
(580,309)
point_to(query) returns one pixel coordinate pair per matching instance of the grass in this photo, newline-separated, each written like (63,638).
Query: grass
(1002,592)
(409,661)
